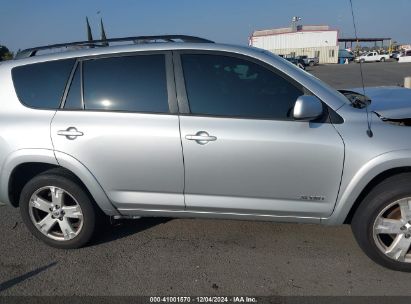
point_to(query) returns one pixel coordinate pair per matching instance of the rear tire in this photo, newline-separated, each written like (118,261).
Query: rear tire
(382,223)
(382,59)
(57,210)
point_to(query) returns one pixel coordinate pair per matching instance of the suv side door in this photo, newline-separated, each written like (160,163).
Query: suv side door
(243,151)
(119,119)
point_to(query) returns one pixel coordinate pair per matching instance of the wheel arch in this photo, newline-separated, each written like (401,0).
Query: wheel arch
(20,166)
(371,185)
(364,180)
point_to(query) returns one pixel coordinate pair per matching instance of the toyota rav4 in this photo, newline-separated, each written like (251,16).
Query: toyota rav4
(179,126)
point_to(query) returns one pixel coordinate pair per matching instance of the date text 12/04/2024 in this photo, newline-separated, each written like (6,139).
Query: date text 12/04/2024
(204,299)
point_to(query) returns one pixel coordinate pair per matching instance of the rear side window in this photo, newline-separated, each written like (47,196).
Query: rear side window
(126,83)
(41,85)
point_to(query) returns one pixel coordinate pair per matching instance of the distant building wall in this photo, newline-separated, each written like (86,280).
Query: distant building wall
(325,54)
(312,41)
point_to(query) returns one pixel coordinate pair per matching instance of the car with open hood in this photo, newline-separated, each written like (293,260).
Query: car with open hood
(179,126)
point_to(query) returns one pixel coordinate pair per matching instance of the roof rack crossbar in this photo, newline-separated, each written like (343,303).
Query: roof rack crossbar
(102,43)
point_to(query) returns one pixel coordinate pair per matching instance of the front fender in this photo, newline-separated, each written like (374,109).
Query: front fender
(374,167)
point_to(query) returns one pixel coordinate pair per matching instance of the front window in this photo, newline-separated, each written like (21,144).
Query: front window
(230,86)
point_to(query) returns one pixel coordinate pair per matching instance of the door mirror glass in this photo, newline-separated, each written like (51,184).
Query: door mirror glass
(307,107)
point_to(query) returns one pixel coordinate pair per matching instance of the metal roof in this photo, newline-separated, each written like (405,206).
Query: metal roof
(287,30)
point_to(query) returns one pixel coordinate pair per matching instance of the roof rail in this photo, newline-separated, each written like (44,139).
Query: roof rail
(103,43)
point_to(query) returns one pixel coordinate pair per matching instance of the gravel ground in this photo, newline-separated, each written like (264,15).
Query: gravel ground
(205,257)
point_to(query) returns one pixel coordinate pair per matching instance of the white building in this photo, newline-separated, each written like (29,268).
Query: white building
(311,40)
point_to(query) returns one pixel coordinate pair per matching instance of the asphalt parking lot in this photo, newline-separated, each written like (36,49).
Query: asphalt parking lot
(345,76)
(205,257)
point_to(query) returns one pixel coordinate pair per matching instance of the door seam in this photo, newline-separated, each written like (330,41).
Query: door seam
(179,130)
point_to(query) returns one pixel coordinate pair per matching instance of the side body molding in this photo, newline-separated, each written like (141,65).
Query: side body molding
(371,169)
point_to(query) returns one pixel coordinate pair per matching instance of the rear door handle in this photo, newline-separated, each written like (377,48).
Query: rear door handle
(201,137)
(70,133)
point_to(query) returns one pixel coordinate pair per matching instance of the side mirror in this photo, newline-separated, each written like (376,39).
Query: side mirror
(307,107)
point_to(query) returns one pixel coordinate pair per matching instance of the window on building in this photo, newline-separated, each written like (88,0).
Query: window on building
(317,54)
(331,53)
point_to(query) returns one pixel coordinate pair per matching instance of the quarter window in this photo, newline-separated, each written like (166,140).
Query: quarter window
(230,86)
(126,83)
(41,85)
(73,99)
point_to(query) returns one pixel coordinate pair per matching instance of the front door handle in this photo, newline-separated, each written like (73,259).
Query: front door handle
(201,137)
(70,133)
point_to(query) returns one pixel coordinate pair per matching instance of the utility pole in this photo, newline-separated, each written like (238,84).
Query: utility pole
(294,22)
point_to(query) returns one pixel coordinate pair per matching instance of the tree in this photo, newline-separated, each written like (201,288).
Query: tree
(5,54)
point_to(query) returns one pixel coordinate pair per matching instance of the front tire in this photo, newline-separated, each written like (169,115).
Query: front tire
(382,223)
(58,211)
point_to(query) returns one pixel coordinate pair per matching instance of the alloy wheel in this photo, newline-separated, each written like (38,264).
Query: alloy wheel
(56,213)
(392,230)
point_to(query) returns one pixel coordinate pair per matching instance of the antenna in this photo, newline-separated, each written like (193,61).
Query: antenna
(369,131)
(89,34)
(103,33)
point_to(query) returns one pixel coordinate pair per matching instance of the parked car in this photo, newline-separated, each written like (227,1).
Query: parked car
(296,61)
(405,57)
(372,57)
(345,54)
(191,128)
(309,61)
(395,55)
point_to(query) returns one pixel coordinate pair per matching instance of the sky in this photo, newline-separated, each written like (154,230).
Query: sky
(29,23)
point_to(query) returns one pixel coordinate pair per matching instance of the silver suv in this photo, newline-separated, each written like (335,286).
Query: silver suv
(178,126)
